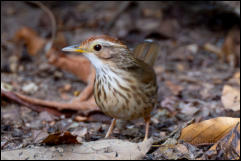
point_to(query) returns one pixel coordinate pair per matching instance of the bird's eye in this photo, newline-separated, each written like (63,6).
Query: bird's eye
(97,47)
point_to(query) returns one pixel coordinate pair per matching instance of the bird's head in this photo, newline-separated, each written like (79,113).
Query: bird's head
(101,50)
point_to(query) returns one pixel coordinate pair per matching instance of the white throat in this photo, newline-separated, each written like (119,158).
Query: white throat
(103,71)
(98,64)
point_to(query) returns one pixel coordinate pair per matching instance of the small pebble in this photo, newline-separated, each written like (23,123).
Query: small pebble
(193,48)
(17,133)
(67,87)
(58,74)
(30,88)
(59,149)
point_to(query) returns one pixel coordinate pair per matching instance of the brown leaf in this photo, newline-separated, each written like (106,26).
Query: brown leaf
(208,131)
(175,89)
(231,98)
(231,93)
(60,41)
(231,47)
(228,147)
(60,138)
(230,51)
(31,39)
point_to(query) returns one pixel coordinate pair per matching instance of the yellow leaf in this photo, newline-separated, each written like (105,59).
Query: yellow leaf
(208,131)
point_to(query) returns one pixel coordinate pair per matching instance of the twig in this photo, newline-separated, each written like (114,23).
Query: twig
(12,96)
(48,45)
(174,134)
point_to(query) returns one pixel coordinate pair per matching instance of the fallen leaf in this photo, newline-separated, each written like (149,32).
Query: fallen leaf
(60,138)
(159,69)
(110,149)
(175,89)
(188,108)
(171,149)
(208,131)
(46,116)
(231,93)
(231,98)
(231,47)
(39,135)
(81,118)
(213,49)
(227,148)
(33,42)
(230,50)
(175,152)
(60,41)
(235,79)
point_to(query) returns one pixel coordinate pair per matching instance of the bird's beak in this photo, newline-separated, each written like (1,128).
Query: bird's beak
(75,48)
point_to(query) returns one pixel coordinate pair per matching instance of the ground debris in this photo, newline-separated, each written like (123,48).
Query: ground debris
(102,149)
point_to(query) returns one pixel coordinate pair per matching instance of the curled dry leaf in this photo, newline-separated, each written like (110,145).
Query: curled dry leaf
(228,147)
(31,39)
(111,149)
(231,93)
(208,131)
(60,138)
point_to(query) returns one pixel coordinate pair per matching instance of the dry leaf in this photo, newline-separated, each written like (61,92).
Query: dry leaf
(230,51)
(227,148)
(33,42)
(231,47)
(175,89)
(231,98)
(99,150)
(176,152)
(231,93)
(208,131)
(60,138)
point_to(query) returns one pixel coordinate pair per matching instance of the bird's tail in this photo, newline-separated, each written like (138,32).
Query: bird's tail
(147,51)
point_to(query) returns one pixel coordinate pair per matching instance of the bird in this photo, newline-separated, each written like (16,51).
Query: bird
(125,84)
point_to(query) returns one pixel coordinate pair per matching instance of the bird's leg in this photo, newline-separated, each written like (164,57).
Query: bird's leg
(147,121)
(110,128)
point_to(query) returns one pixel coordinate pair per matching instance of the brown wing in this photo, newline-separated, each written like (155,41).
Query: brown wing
(147,51)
